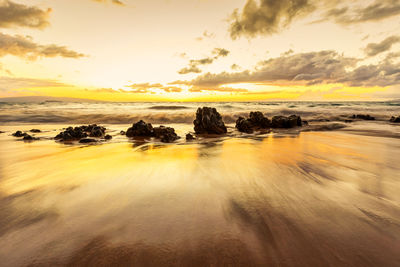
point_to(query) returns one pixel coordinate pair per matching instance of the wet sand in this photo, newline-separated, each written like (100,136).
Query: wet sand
(307,199)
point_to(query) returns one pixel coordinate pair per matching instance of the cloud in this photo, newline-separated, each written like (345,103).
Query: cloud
(19,15)
(235,67)
(374,49)
(206,34)
(13,83)
(117,2)
(24,47)
(194,64)
(307,69)
(266,17)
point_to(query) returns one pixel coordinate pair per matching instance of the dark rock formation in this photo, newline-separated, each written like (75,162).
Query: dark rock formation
(395,120)
(286,122)
(366,117)
(77,133)
(258,120)
(189,137)
(28,137)
(208,121)
(19,134)
(122,133)
(1,132)
(255,121)
(166,134)
(108,137)
(244,125)
(140,129)
(87,140)
(35,131)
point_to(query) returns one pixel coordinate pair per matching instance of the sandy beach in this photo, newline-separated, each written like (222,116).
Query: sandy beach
(277,199)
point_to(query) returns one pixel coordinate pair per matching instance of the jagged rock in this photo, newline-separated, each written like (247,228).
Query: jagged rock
(286,122)
(209,121)
(258,120)
(87,140)
(395,120)
(77,133)
(108,137)
(366,117)
(189,136)
(35,131)
(166,134)
(140,129)
(244,125)
(255,121)
(122,133)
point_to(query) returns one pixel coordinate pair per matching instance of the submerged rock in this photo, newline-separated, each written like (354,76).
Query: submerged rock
(19,134)
(77,133)
(286,122)
(28,137)
(140,128)
(189,136)
(366,117)
(209,121)
(166,134)
(35,131)
(255,121)
(122,133)
(108,137)
(87,140)
(395,120)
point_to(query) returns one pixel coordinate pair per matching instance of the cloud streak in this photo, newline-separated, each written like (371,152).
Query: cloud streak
(25,47)
(374,49)
(194,64)
(19,15)
(307,69)
(266,17)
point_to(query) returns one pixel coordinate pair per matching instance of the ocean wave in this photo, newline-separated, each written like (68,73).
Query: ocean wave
(168,107)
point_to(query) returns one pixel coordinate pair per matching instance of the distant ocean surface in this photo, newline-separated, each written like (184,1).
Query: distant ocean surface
(166,112)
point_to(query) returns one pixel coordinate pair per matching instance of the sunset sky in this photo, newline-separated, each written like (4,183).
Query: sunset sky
(200,50)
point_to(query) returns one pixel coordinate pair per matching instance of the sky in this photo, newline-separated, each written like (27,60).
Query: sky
(201,50)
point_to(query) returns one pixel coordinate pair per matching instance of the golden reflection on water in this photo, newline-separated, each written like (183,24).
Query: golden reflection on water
(313,199)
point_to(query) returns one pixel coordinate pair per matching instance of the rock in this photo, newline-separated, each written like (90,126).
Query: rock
(395,120)
(122,133)
(258,120)
(140,129)
(28,137)
(108,137)
(18,134)
(348,121)
(305,122)
(35,131)
(189,137)
(209,121)
(166,134)
(87,140)
(77,133)
(244,125)
(366,117)
(286,122)
(1,132)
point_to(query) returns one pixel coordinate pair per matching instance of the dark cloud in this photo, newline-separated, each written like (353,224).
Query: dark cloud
(206,34)
(18,15)
(374,49)
(24,47)
(194,64)
(307,69)
(266,17)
